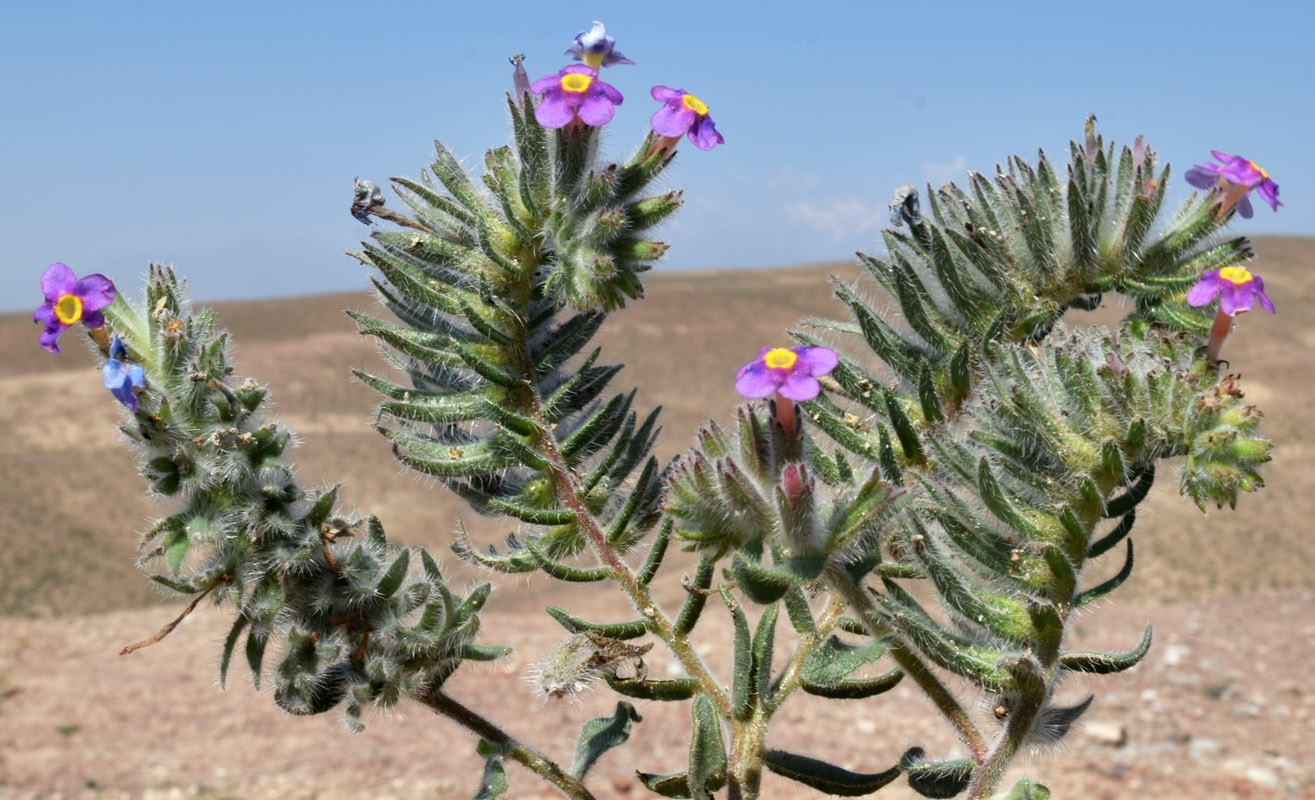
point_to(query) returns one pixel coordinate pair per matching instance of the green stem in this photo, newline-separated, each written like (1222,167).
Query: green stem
(840,582)
(532,760)
(792,675)
(639,595)
(744,773)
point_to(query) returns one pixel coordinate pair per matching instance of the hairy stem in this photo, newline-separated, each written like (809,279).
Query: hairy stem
(845,586)
(531,759)
(793,673)
(639,595)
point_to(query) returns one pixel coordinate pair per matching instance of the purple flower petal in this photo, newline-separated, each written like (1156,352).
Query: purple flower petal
(56,280)
(672,119)
(96,291)
(1200,177)
(596,109)
(1241,171)
(703,133)
(799,386)
(1244,207)
(554,111)
(665,94)
(1268,191)
(93,319)
(1265,302)
(50,334)
(45,315)
(610,92)
(755,380)
(819,360)
(1221,157)
(1205,290)
(545,83)
(1231,298)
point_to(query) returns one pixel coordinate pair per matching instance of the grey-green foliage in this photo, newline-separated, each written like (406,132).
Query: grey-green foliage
(327,611)
(971,454)
(1016,438)
(498,294)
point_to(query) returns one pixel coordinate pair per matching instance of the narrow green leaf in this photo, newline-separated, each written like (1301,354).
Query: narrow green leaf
(493,783)
(763,639)
(653,561)
(697,595)
(392,579)
(230,642)
(741,659)
(826,777)
(854,688)
(1097,592)
(707,752)
(599,735)
(1098,663)
(801,616)
(664,691)
(936,779)
(612,630)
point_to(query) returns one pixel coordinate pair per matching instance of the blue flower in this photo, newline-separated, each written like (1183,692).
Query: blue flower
(596,49)
(122,376)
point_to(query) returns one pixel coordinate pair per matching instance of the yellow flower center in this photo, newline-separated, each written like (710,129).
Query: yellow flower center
(1264,175)
(1235,275)
(779,358)
(698,107)
(575,82)
(68,308)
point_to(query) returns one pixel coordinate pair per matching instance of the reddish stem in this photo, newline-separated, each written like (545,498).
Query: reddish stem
(1218,333)
(785,414)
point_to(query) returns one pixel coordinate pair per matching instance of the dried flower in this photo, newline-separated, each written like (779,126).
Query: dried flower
(122,376)
(790,373)
(683,114)
(1236,177)
(574,93)
(596,49)
(69,301)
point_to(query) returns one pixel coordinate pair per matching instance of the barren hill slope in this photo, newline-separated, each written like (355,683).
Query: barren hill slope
(74,503)
(1222,705)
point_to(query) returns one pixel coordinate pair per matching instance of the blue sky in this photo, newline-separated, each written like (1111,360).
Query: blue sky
(223,137)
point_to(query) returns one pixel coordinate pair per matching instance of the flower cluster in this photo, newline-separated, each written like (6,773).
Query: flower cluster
(70,301)
(1235,176)
(577,96)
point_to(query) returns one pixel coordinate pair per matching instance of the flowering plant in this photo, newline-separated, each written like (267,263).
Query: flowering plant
(926,514)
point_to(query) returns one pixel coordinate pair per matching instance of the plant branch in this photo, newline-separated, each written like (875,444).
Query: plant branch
(531,759)
(840,582)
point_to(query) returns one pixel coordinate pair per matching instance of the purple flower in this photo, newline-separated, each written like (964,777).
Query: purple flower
(121,375)
(1238,176)
(596,49)
(574,92)
(69,301)
(1237,290)
(793,373)
(684,114)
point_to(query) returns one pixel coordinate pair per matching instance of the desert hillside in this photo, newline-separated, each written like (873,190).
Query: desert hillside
(1223,704)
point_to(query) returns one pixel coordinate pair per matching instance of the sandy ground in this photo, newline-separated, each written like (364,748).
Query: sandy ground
(1222,708)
